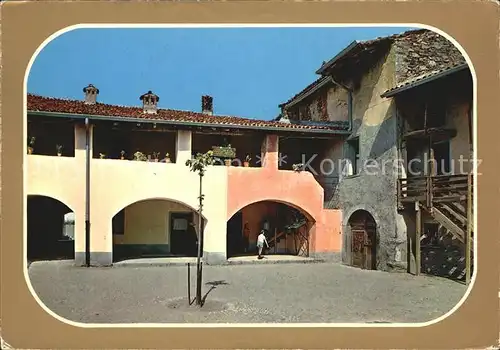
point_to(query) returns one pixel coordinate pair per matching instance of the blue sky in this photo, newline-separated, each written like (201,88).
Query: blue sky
(248,71)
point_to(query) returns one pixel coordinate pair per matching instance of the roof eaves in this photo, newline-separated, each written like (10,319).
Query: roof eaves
(337,57)
(307,92)
(423,80)
(186,123)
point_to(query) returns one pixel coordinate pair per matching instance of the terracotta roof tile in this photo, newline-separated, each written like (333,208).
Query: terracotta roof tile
(306,89)
(419,52)
(423,53)
(360,45)
(58,105)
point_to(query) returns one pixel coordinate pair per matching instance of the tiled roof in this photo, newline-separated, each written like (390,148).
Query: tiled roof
(306,89)
(414,81)
(424,53)
(361,46)
(419,53)
(38,103)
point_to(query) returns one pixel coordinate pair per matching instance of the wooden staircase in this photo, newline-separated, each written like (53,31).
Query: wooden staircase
(292,230)
(448,199)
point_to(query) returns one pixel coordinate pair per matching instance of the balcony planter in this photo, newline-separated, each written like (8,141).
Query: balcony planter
(167,158)
(122,155)
(139,156)
(102,155)
(156,156)
(228,162)
(246,163)
(224,151)
(59,150)
(31,144)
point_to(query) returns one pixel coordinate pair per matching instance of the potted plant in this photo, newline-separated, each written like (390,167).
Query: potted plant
(298,167)
(156,156)
(122,155)
(59,150)
(167,158)
(102,155)
(31,144)
(139,156)
(224,151)
(228,162)
(246,163)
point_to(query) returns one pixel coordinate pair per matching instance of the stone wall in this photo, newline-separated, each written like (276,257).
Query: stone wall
(423,52)
(375,123)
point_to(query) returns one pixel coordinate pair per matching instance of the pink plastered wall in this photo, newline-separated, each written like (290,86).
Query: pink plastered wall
(297,189)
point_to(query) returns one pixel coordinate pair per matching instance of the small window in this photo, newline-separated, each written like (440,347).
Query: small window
(180,224)
(118,223)
(352,156)
(436,114)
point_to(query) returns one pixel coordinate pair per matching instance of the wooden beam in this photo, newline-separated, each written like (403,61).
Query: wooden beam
(468,236)
(418,235)
(454,229)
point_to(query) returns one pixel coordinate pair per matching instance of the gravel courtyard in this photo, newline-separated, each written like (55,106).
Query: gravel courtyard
(320,292)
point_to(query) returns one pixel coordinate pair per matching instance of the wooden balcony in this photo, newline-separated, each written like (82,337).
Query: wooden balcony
(430,190)
(448,199)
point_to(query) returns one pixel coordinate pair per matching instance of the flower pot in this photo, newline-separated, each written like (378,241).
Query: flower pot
(227,162)
(156,160)
(167,160)
(30,150)
(246,164)
(59,154)
(122,158)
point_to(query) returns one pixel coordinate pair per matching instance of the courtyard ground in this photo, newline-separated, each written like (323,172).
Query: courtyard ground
(319,292)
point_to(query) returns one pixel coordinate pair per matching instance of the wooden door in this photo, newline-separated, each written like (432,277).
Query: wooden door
(182,241)
(363,231)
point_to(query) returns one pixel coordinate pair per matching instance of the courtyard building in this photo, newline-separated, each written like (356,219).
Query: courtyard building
(118,175)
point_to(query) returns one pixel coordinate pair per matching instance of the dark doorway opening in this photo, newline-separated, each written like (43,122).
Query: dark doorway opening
(442,156)
(364,242)
(237,242)
(183,235)
(50,229)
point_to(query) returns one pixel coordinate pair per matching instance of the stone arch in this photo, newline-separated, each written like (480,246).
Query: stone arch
(155,227)
(122,206)
(46,234)
(275,217)
(297,206)
(361,238)
(55,196)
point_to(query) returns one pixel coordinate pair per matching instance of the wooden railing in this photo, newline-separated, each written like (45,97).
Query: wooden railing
(429,190)
(448,199)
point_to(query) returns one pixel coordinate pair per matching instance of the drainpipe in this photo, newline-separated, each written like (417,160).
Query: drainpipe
(87,192)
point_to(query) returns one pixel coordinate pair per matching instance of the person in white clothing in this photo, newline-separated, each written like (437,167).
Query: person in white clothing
(261,240)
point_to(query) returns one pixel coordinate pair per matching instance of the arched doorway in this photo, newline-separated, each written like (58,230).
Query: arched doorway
(363,229)
(286,229)
(155,228)
(50,229)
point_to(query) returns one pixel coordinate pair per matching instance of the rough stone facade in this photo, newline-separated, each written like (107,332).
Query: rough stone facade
(375,124)
(422,52)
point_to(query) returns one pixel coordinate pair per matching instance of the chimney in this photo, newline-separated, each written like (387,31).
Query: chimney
(149,102)
(207,105)
(91,93)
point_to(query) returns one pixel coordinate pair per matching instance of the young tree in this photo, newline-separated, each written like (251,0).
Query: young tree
(199,164)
